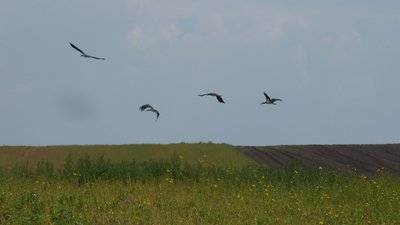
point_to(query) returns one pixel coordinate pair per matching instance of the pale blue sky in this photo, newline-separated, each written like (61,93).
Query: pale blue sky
(335,64)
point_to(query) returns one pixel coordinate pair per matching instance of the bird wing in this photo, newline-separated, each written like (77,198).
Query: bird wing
(210,94)
(143,107)
(93,57)
(276,99)
(219,98)
(151,109)
(268,98)
(76,48)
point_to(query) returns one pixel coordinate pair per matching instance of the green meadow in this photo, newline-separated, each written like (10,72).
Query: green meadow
(185,184)
(219,154)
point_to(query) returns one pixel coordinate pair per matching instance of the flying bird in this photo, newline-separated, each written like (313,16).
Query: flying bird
(269,100)
(219,97)
(84,54)
(149,108)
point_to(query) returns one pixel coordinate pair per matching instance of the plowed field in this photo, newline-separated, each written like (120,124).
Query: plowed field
(366,159)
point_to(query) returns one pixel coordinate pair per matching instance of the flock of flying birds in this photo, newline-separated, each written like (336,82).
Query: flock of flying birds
(149,108)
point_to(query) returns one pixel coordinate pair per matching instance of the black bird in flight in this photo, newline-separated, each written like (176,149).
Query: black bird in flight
(219,97)
(149,108)
(269,100)
(84,54)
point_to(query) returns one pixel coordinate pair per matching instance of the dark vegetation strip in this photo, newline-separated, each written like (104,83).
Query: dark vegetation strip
(89,169)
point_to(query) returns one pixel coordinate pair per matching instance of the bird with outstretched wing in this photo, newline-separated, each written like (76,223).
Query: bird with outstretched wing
(269,100)
(149,108)
(83,54)
(219,97)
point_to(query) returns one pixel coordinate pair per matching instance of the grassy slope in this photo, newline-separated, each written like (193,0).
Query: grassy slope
(304,197)
(220,154)
(289,196)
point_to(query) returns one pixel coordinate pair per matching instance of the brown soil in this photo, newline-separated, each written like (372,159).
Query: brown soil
(366,159)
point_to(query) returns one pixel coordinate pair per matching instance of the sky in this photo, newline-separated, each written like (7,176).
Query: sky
(335,64)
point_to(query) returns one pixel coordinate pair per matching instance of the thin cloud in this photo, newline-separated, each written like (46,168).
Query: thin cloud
(255,24)
(301,61)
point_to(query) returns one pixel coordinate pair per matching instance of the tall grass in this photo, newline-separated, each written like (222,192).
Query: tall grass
(91,169)
(208,153)
(97,191)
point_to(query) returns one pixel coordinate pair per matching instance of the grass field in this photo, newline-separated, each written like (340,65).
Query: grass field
(168,190)
(219,154)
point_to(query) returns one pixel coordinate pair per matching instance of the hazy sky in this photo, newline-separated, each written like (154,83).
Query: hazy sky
(335,64)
